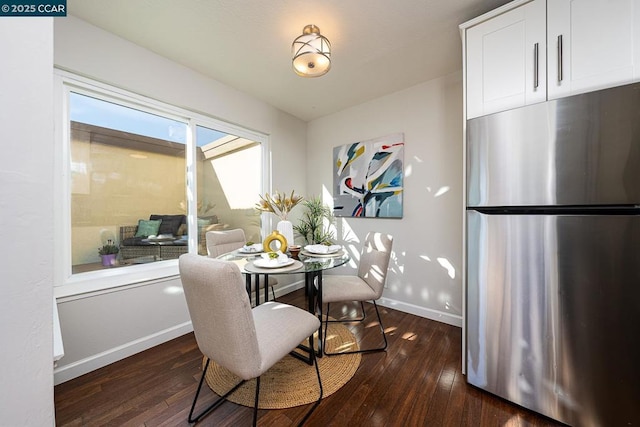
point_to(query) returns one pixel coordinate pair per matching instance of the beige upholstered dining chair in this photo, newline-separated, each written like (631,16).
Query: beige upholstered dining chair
(222,241)
(245,341)
(367,285)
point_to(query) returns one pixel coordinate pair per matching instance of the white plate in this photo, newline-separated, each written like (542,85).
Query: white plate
(264,263)
(330,249)
(340,253)
(255,251)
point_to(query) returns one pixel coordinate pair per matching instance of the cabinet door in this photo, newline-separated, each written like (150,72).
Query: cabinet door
(593,44)
(506,60)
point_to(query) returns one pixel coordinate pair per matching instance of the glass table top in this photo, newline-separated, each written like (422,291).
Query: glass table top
(310,264)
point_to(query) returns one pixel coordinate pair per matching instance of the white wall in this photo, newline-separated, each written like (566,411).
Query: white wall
(425,276)
(101,327)
(104,327)
(26,292)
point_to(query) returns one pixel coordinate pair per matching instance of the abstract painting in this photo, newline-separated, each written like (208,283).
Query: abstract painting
(368,178)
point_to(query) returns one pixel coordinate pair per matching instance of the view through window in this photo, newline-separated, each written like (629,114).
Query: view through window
(128,184)
(229,183)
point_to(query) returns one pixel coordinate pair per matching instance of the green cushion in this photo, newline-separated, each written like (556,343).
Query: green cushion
(203,222)
(148,227)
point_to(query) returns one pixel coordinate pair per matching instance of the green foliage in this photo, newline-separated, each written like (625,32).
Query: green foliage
(314,226)
(108,248)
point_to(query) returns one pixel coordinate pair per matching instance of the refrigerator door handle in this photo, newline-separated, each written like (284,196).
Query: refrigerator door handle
(536,79)
(560,58)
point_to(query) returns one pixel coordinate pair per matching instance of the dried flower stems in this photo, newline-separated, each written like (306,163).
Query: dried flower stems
(278,204)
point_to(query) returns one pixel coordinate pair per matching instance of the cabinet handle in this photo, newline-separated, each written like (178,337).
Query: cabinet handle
(536,80)
(560,58)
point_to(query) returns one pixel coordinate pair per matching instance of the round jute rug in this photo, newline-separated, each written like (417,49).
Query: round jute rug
(292,382)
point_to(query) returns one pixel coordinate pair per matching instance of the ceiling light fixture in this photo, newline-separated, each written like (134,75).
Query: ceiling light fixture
(311,53)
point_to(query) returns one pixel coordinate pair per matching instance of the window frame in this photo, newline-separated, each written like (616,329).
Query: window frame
(66,283)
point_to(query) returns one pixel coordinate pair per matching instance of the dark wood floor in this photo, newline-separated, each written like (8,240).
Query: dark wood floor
(416,382)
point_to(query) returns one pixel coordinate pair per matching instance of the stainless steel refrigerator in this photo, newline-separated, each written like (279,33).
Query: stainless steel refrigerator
(553,257)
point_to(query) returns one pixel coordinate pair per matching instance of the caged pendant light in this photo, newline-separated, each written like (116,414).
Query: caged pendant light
(311,53)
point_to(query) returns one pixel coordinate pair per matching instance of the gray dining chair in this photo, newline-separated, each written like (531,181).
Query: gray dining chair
(246,341)
(222,241)
(367,285)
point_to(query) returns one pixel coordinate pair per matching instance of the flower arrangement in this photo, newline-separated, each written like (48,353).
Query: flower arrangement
(108,248)
(279,204)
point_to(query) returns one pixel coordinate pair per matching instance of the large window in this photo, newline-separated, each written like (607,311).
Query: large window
(149,179)
(126,166)
(229,181)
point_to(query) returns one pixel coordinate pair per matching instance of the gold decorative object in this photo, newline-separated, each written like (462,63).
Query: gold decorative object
(274,237)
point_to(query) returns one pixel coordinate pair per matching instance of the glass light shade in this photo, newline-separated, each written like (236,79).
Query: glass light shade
(311,53)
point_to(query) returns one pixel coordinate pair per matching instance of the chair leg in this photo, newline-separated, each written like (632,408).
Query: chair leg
(255,406)
(368,350)
(315,405)
(215,404)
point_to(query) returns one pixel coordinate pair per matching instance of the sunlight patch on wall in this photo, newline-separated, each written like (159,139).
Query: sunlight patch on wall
(173,290)
(425,257)
(350,241)
(240,193)
(444,298)
(441,191)
(444,263)
(408,169)
(348,235)
(327,197)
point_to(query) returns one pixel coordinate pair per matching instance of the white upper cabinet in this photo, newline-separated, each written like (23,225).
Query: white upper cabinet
(530,51)
(506,60)
(593,44)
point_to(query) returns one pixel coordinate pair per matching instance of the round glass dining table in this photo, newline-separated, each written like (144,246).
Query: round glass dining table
(311,265)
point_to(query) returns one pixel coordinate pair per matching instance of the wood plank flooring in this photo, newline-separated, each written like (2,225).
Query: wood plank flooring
(416,382)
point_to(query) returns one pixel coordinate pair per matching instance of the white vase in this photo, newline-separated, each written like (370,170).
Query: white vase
(285,228)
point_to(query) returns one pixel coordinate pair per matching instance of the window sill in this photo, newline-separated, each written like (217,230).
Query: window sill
(109,280)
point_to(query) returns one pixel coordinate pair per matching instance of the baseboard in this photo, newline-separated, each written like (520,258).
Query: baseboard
(438,316)
(84,366)
(286,289)
(97,361)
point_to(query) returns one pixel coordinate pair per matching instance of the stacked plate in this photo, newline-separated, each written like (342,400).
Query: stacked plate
(322,250)
(255,248)
(273,263)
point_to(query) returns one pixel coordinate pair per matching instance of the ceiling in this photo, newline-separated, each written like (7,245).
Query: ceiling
(378,46)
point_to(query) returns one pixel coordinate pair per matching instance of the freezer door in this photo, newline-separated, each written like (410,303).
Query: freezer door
(580,150)
(553,307)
